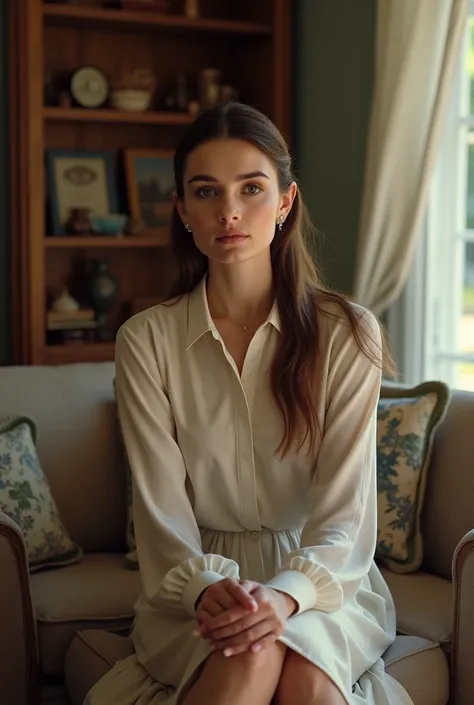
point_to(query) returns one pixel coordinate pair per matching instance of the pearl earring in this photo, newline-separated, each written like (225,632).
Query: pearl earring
(280,221)
(188,228)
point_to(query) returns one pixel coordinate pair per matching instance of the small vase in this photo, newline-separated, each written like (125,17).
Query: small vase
(64,303)
(102,288)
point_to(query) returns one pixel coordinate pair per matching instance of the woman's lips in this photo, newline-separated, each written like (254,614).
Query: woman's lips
(232,238)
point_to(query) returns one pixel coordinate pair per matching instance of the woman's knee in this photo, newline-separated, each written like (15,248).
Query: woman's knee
(243,678)
(267,661)
(301,680)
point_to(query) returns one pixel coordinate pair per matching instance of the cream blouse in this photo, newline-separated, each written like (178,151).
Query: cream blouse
(201,441)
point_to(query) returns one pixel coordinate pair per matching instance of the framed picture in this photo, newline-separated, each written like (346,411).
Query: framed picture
(150,186)
(80,179)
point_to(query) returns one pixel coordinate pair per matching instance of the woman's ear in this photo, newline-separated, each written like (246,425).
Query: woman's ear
(175,200)
(179,205)
(287,199)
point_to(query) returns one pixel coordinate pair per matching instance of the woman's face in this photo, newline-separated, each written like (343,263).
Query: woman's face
(232,200)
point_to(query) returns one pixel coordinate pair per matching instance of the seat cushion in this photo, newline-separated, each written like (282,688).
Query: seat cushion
(91,654)
(421,667)
(423,604)
(100,592)
(418,664)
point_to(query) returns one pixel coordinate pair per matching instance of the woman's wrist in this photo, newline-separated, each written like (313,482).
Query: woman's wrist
(290,603)
(201,595)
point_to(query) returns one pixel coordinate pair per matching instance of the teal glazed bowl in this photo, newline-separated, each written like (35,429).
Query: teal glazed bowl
(113,224)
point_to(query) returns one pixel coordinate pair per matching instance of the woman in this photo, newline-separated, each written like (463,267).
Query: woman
(248,407)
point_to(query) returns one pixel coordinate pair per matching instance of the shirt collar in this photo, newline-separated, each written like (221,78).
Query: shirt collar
(200,320)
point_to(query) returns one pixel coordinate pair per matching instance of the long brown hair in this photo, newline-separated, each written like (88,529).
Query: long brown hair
(298,288)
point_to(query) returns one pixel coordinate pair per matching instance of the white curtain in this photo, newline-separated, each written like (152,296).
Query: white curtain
(417,47)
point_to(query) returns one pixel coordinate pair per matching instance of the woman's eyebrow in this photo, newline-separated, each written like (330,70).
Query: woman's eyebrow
(240,177)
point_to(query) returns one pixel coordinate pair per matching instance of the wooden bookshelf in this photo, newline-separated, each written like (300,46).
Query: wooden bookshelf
(248,42)
(97,16)
(116,116)
(101,242)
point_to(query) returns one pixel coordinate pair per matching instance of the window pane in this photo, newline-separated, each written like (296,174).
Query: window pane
(470,64)
(464,376)
(466,328)
(458,375)
(470,181)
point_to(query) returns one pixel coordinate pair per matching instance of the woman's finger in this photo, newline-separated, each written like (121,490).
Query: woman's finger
(246,637)
(235,614)
(233,628)
(212,607)
(240,595)
(201,618)
(249,585)
(255,648)
(238,650)
(224,599)
(267,640)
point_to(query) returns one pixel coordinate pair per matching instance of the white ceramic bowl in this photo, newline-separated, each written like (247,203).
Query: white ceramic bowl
(130,100)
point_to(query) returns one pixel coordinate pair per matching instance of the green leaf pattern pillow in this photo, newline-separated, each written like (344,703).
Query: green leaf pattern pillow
(25,496)
(406,423)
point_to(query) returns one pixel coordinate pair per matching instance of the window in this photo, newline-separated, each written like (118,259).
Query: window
(435,317)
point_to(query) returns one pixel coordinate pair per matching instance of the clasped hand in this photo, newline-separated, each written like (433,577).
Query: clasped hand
(237,616)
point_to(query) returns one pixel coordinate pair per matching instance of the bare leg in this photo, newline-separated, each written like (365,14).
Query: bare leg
(302,682)
(238,680)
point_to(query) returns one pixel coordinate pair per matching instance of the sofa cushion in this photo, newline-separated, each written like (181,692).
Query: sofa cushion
(78,443)
(418,664)
(423,605)
(98,592)
(421,667)
(91,655)
(406,423)
(449,512)
(25,496)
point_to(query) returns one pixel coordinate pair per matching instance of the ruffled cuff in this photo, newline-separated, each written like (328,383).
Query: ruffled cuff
(184,583)
(310,585)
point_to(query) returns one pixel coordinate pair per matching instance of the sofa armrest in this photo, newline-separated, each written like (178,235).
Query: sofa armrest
(462,647)
(18,643)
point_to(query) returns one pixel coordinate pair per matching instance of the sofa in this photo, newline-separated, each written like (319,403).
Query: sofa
(63,628)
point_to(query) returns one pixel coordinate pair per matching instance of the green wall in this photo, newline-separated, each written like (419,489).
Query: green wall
(4,199)
(334,45)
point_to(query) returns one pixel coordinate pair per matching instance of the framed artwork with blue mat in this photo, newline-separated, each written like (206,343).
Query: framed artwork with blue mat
(79,179)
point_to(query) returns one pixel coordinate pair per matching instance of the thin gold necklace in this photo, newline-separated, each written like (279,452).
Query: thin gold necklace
(228,319)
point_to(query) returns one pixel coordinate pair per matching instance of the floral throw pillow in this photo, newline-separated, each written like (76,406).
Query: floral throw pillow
(406,424)
(25,496)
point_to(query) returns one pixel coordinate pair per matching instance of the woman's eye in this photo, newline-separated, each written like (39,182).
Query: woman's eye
(253,188)
(205,191)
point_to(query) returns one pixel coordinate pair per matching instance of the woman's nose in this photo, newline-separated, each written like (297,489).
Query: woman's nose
(229,212)
(229,217)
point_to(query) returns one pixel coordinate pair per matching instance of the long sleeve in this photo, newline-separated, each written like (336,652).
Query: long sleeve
(174,569)
(339,537)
